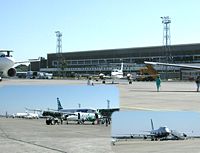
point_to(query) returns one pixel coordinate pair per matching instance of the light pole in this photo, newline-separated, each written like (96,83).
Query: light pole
(59,51)
(108,104)
(166,41)
(166,30)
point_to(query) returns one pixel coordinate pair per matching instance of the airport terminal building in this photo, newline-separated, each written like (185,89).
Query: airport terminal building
(103,61)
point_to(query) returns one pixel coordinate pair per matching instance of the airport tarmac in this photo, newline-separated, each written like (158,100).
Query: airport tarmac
(144,146)
(173,96)
(34,136)
(37,137)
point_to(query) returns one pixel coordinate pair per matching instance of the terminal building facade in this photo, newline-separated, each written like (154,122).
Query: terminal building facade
(103,61)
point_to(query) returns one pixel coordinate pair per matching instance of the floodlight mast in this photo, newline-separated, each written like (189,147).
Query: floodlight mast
(108,104)
(166,30)
(59,42)
(166,40)
(59,52)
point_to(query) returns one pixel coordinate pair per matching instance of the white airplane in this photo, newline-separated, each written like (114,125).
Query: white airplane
(115,74)
(19,115)
(7,64)
(32,116)
(26,115)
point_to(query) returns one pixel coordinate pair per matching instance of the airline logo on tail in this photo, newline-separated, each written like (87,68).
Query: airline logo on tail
(59,104)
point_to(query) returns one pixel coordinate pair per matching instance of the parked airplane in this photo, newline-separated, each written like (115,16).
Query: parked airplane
(73,110)
(7,64)
(79,115)
(115,74)
(162,133)
(19,115)
(26,115)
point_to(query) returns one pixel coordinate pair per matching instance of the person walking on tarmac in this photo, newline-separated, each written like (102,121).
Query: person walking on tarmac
(198,83)
(158,83)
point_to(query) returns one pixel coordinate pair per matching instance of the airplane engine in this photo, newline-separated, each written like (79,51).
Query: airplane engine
(11,72)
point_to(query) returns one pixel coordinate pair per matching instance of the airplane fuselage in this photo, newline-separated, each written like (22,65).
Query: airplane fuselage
(79,116)
(161,132)
(116,74)
(5,64)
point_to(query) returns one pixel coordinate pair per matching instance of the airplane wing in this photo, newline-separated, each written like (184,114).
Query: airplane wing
(175,65)
(36,110)
(25,62)
(16,64)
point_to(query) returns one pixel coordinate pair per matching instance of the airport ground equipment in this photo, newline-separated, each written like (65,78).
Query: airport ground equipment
(147,73)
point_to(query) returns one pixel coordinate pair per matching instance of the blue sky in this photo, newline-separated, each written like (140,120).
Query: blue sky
(16,98)
(136,122)
(28,27)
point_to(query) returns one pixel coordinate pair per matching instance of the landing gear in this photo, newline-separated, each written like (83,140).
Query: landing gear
(0,79)
(52,121)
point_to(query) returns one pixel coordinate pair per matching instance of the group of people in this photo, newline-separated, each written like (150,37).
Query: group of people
(158,83)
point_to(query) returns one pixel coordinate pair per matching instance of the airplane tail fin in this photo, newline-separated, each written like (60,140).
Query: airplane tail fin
(152,127)
(122,66)
(59,104)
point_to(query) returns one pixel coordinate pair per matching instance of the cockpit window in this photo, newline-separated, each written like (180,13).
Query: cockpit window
(2,55)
